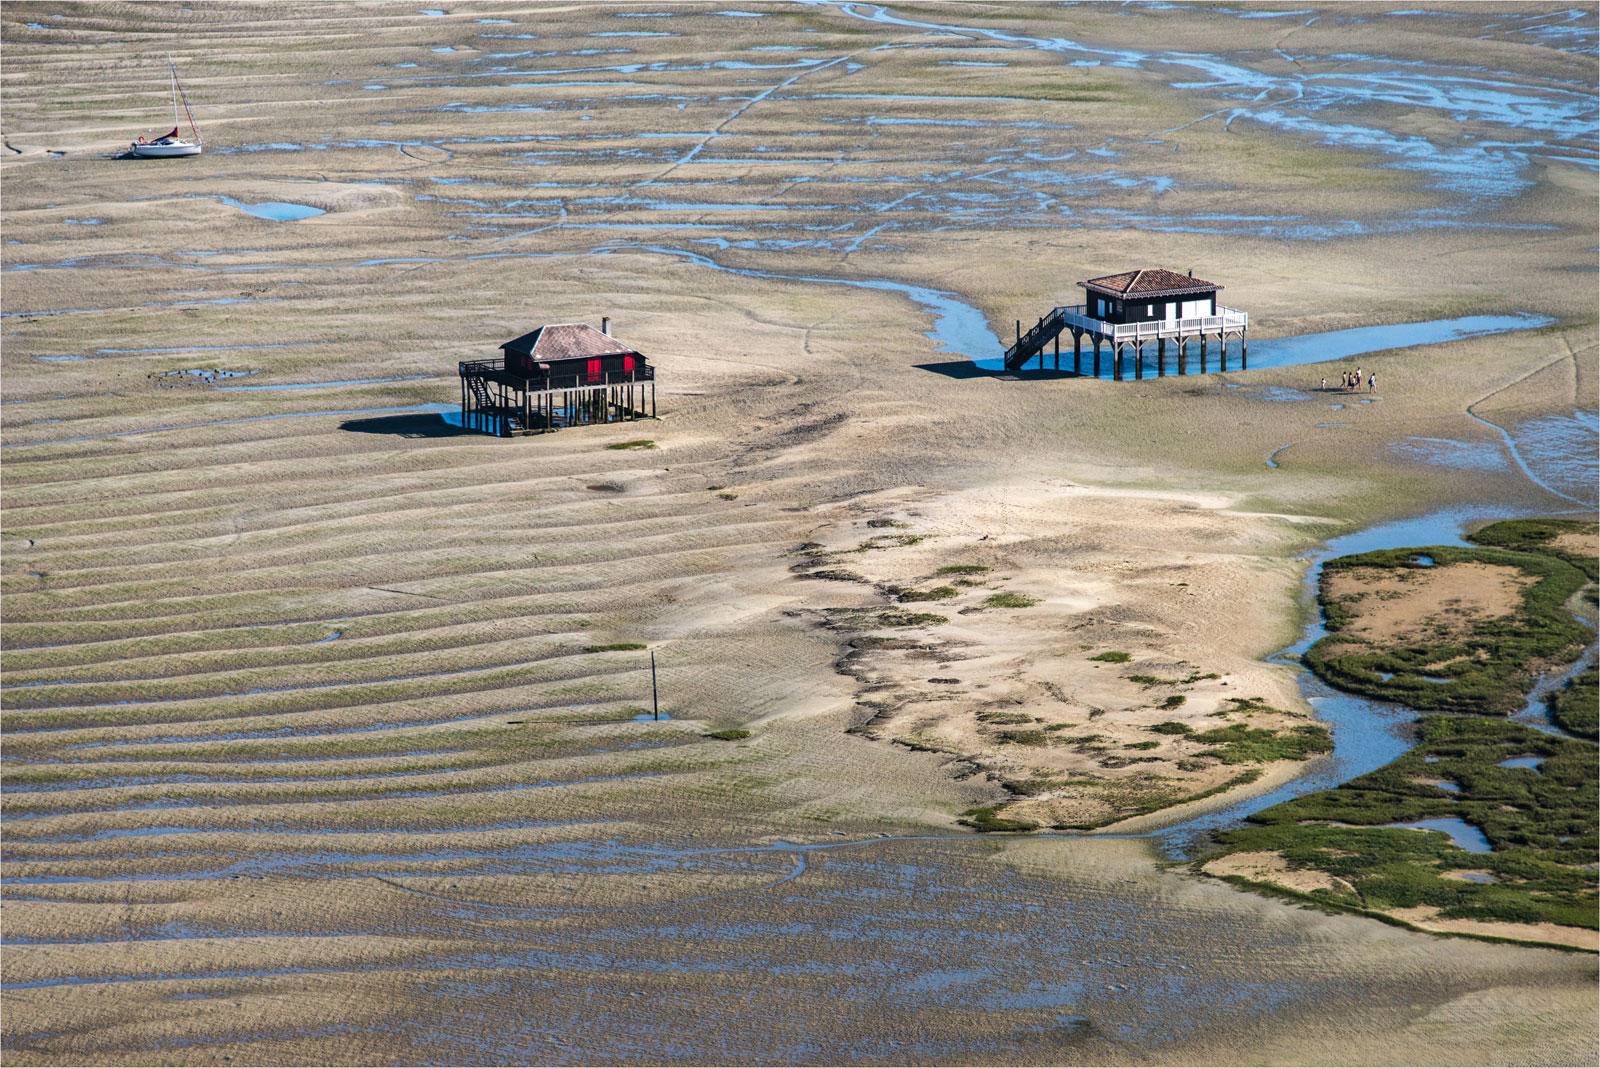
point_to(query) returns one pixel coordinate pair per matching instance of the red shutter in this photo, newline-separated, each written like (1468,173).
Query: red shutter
(594,370)
(627,364)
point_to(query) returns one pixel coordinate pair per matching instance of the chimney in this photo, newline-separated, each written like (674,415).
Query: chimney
(1191,272)
(605,322)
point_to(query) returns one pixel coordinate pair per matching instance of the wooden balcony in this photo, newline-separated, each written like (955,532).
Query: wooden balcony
(497,401)
(1227,320)
(495,371)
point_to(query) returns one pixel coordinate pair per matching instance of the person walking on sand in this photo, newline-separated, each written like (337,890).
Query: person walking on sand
(1324,385)
(1372,383)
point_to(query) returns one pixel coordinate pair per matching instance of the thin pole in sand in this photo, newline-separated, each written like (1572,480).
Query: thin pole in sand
(655,701)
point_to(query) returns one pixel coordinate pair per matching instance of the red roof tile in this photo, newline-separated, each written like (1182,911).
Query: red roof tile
(1150,282)
(567,341)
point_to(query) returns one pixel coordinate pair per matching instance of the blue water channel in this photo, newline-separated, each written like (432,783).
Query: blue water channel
(1283,351)
(962,330)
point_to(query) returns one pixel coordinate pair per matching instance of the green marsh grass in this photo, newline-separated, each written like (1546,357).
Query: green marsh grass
(1574,707)
(1241,744)
(1491,667)
(1538,536)
(1541,825)
(988,819)
(1010,600)
(937,593)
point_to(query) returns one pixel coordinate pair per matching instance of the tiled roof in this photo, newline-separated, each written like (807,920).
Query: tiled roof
(567,341)
(1150,282)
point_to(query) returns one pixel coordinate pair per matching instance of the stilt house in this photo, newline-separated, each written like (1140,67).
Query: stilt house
(1130,311)
(562,374)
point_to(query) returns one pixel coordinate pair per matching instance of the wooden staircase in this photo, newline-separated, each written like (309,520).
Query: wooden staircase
(1033,342)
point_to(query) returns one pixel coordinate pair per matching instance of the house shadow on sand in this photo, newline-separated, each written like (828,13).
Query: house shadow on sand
(408,425)
(966,369)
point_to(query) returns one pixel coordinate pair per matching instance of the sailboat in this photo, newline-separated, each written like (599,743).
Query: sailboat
(171,144)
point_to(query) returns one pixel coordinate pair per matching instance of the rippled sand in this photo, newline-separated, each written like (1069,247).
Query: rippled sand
(312,755)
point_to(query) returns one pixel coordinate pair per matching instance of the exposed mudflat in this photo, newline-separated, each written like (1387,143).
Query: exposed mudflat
(1443,602)
(314,751)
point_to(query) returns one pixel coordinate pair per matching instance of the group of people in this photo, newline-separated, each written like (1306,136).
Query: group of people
(1349,381)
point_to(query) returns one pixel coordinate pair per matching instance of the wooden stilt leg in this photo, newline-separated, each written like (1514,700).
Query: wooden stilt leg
(1161,357)
(1244,355)
(1077,352)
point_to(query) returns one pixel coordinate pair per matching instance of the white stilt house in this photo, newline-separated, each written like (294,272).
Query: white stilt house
(1131,310)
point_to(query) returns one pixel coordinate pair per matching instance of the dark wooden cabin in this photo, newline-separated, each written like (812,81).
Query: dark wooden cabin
(571,352)
(1148,296)
(562,374)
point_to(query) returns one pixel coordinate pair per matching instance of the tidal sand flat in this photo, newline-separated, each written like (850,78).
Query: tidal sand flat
(328,721)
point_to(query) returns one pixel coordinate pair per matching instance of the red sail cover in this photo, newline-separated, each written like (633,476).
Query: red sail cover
(172,135)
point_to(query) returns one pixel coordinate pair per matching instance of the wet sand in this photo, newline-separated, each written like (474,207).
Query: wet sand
(308,757)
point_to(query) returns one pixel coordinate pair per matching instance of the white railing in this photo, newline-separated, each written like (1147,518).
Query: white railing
(1225,319)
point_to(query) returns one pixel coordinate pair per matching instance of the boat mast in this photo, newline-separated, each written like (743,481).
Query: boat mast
(177,91)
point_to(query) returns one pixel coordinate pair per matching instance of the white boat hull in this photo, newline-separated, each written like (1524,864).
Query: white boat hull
(155,150)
